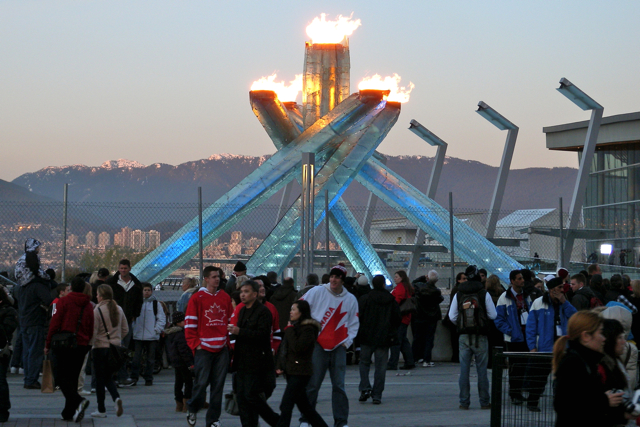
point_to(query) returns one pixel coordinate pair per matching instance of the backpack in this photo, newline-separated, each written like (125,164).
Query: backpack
(595,302)
(472,313)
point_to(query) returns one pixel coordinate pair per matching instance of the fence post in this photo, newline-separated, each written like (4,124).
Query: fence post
(64,231)
(326,222)
(451,252)
(200,233)
(561,260)
(496,386)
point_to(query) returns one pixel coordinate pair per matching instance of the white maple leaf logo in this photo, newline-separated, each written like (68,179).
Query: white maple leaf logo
(215,314)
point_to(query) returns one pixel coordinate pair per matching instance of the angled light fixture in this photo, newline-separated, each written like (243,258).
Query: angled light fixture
(494,117)
(578,97)
(425,134)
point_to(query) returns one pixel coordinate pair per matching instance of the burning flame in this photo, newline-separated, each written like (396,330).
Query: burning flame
(392,83)
(285,93)
(322,31)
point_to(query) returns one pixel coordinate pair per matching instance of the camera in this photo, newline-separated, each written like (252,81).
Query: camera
(630,404)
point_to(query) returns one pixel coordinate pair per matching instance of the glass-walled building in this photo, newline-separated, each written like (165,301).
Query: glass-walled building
(612,201)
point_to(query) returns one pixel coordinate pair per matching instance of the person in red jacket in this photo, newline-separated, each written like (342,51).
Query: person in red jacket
(73,313)
(206,320)
(401,292)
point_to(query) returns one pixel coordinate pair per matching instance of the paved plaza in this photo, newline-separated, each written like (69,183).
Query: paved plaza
(425,397)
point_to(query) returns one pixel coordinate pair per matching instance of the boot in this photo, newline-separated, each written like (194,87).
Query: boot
(179,406)
(184,405)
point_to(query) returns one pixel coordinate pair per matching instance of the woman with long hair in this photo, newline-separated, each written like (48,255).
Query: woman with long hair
(581,396)
(402,292)
(616,376)
(294,361)
(107,313)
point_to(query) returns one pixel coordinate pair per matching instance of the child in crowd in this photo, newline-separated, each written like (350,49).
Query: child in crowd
(181,358)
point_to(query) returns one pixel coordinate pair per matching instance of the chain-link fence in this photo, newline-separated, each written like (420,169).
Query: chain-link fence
(99,234)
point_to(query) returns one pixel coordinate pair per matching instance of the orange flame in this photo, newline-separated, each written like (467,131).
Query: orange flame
(322,31)
(285,93)
(392,83)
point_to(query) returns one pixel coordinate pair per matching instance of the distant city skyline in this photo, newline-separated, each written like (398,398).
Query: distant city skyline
(168,81)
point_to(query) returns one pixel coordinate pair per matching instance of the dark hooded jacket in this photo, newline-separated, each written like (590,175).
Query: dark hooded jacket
(581,300)
(180,355)
(296,351)
(34,299)
(282,298)
(252,351)
(379,318)
(428,297)
(131,301)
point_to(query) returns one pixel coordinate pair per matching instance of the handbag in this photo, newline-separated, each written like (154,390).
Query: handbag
(118,355)
(67,340)
(408,306)
(47,377)
(231,404)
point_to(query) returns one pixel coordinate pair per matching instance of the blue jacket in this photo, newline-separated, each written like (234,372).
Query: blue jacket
(541,323)
(508,320)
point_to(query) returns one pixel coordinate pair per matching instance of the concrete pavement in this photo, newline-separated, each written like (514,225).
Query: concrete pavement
(425,397)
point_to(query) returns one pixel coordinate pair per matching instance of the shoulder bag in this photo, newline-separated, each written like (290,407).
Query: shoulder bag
(67,340)
(118,355)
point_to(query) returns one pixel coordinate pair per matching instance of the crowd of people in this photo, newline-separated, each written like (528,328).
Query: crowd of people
(256,329)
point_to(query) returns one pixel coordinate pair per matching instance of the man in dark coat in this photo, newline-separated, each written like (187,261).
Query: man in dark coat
(425,320)
(379,321)
(282,298)
(127,292)
(252,356)
(240,269)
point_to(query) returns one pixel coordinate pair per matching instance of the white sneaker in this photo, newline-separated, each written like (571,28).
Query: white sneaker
(98,414)
(119,409)
(21,371)
(14,370)
(305,425)
(216,424)
(79,415)
(431,364)
(425,364)
(84,393)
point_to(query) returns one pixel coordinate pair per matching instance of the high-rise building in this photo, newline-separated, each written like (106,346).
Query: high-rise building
(138,240)
(72,240)
(154,239)
(123,238)
(235,244)
(104,239)
(90,239)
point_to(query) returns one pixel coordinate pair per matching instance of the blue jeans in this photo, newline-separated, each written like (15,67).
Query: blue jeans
(336,362)
(33,339)
(404,346)
(381,355)
(477,345)
(210,369)
(148,347)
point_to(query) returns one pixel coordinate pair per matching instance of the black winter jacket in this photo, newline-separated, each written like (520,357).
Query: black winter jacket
(179,352)
(34,300)
(131,301)
(580,398)
(379,318)
(429,298)
(282,298)
(296,351)
(581,300)
(252,352)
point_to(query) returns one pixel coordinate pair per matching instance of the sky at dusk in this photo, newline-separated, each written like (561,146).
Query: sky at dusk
(82,82)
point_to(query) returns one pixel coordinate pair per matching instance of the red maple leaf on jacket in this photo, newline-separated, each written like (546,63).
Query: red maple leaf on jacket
(332,334)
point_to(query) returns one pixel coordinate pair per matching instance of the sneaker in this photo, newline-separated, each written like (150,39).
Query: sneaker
(20,371)
(98,414)
(216,424)
(376,401)
(79,415)
(93,390)
(34,386)
(84,393)
(466,408)
(128,383)
(364,395)
(420,361)
(118,407)
(191,419)
(429,365)
(303,424)
(14,370)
